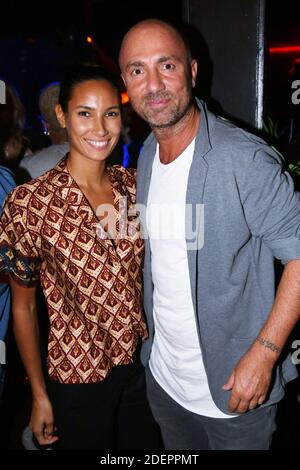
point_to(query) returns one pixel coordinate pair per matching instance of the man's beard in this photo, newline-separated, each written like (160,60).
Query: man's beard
(175,114)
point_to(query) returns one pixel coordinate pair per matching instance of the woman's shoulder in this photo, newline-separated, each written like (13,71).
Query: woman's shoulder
(19,192)
(32,187)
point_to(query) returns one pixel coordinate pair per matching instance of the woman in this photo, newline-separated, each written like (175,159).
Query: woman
(64,228)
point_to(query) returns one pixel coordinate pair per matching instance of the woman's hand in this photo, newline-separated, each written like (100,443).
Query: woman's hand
(26,328)
(42,422)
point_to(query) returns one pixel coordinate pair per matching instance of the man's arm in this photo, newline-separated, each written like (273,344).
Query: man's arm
(27,338)
(250,379)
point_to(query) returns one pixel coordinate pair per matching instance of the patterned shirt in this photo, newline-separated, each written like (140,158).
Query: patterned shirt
(92,284)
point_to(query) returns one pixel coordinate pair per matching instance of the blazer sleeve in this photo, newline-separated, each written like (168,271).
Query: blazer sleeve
(271,204)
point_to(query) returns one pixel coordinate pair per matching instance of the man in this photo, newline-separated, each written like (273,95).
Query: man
(216,365)
(33,166)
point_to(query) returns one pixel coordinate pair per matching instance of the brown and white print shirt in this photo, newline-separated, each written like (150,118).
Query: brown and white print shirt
(92,285)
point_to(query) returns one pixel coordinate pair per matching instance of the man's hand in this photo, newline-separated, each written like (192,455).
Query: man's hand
(249,381)
(41,422)
(251,377)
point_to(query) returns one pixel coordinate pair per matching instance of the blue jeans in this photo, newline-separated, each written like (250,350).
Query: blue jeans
(183,430)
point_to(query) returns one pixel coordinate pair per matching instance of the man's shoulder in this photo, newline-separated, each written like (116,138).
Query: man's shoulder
(43,160)
(53,151)
(239,144)
(231,129)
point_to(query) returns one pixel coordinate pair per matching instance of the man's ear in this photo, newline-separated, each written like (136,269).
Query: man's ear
(60,116)
(194,68)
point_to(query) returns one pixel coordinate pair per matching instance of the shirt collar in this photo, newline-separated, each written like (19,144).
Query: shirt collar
(68,191)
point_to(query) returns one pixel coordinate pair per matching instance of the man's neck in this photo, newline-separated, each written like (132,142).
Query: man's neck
(175,139)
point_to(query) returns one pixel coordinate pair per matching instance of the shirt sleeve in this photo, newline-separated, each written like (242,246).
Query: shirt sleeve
(271,205)
(18,253)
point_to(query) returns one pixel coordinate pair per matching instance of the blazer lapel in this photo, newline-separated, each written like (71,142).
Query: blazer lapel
(144,170)
(194,220)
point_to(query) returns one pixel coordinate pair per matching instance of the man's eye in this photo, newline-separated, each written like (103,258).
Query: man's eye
(136,71)
(83,113)
(168,66)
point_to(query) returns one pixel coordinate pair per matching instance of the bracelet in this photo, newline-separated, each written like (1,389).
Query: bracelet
(268,344)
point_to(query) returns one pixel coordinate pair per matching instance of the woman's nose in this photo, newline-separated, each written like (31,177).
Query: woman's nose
(99,126)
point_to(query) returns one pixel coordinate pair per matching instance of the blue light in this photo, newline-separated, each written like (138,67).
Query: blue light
(126,156)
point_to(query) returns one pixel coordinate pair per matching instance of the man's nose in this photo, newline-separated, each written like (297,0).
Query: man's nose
(155,81)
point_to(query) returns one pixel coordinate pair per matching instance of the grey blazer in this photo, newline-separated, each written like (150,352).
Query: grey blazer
(251,215)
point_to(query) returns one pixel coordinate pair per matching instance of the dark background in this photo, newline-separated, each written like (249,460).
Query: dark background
(39,39)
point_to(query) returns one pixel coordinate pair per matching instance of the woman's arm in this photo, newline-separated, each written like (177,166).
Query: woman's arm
(27,337)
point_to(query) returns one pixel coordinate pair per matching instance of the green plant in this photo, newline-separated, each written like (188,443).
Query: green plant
(270,127)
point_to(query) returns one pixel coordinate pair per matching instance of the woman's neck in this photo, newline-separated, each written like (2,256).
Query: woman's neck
(87,174)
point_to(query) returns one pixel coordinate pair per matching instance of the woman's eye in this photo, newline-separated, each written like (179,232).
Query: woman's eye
(112,114)
(83,113)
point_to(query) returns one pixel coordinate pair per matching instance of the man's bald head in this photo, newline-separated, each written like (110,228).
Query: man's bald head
(142,30)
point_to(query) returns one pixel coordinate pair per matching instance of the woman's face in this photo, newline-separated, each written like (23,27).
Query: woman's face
(93,119)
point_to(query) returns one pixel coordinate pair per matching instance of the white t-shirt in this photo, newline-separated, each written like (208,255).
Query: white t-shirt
(176,359)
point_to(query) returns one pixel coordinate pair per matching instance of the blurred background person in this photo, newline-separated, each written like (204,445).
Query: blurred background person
(6,185)
(33,166)
(12,147)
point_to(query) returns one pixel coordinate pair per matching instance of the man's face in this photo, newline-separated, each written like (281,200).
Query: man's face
(157,74)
